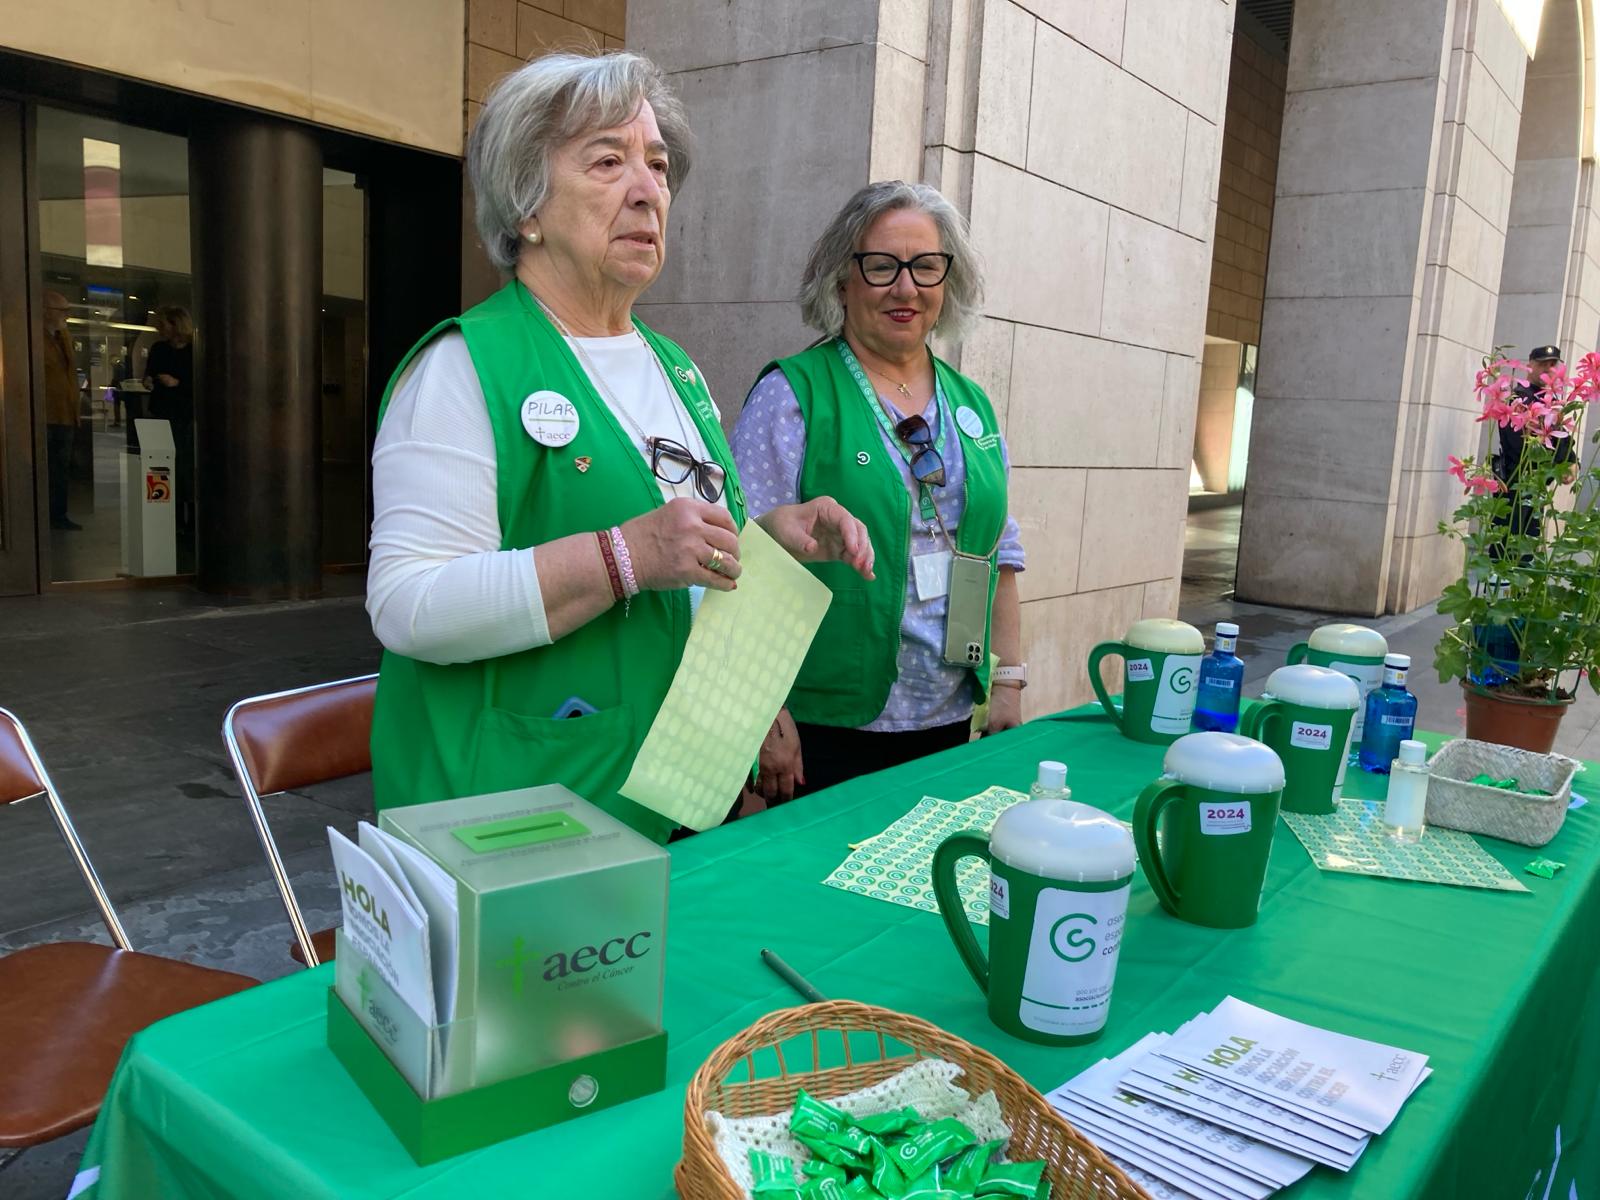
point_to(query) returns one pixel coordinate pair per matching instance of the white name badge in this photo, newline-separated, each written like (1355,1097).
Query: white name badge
(550,418)
(1224,819)
(932,574)
(971,424)
(1311,737)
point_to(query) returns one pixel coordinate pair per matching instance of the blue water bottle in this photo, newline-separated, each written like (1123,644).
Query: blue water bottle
(1391,716)
(1496,656)
(1216,704)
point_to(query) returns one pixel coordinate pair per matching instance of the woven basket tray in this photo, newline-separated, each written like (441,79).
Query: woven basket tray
(1075,1168)
(1455,803)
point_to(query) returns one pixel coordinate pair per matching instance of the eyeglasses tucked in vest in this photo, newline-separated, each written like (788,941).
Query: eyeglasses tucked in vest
(673,462)
(927,464)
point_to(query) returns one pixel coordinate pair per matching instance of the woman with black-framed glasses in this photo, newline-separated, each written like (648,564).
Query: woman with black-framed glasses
(912,447)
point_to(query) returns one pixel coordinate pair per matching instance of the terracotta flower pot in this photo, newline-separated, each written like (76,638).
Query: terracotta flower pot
(1512,720)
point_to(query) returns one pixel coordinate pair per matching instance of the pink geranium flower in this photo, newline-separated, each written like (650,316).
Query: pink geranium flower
(1458,468)
(1480,485)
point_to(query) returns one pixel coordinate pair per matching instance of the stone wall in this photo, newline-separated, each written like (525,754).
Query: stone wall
(1250,136)
(1086,154)
(1214,431)
(1381,292)
(1462,289)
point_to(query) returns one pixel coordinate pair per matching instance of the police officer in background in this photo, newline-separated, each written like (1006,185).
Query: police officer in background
(1508,460)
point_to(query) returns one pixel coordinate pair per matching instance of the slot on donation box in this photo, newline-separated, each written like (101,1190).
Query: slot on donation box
(149,507)
(560,963)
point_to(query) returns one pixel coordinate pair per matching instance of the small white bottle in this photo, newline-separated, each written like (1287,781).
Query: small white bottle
(1052,782)
(1407,802)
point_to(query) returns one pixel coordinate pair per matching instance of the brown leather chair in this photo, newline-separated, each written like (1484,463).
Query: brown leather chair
(67,1009)
(291,740)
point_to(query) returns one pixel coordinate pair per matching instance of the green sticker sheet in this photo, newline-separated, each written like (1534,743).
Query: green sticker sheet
(1352,840)
(896,865)
(743,652)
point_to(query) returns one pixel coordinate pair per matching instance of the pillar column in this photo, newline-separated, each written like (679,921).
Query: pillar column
(1388,224)
(256,235)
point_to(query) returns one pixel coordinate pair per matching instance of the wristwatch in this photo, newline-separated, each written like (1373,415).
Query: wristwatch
(1017,675)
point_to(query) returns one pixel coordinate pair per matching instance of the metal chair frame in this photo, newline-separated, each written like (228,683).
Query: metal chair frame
(258,816)
(68,831)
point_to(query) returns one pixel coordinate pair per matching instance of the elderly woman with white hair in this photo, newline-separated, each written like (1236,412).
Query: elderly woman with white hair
(552,490)
(870,416)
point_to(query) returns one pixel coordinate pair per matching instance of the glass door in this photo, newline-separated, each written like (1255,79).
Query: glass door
(117,354)
(19,550)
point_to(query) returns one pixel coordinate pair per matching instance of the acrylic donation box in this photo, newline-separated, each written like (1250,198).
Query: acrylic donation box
(544,983)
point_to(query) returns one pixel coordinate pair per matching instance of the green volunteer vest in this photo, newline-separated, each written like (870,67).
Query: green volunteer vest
(470,728)
(854,659)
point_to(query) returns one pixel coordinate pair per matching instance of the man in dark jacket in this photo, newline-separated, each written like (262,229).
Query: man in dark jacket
(60,406)
(1508,461)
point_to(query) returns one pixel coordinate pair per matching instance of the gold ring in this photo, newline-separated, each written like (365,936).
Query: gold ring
(716,561)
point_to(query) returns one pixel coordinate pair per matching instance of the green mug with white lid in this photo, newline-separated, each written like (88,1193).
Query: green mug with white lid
(1059,877)
(1160,673)
(1306,716)
(1352,650)
(1204,829)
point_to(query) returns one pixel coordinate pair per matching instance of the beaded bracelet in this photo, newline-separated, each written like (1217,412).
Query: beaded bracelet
(612,572)
(630,584)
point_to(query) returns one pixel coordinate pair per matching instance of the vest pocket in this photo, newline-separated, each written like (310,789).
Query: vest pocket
(838,658)
(590,755)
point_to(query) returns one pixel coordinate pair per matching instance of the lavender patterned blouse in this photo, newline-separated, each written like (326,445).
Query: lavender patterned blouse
(769,445)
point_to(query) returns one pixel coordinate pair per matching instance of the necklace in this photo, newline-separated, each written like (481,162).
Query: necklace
(610,397)
(903,388)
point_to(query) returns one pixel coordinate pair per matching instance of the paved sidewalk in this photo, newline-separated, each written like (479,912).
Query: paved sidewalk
(125,693)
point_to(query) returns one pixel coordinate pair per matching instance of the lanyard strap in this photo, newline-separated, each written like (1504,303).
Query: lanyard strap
(929,510)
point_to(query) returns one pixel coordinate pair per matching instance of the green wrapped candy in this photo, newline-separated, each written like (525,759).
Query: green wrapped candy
(813,1117)
(967,1168)
(859,1189)
(935,1185)
(1015,1179)
(1545,868)
(815,1168)
(822,1189)
(774,1177)
(898,1121)
(933,1143)
(886,1178)
(854,1141)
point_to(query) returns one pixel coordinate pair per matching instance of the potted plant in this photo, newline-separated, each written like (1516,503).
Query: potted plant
(1527,605)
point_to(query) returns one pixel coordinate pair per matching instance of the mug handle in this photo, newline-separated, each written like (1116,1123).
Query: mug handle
(950,852)
(1146,813)
(1104,650)
(1256,720)
(1297,653)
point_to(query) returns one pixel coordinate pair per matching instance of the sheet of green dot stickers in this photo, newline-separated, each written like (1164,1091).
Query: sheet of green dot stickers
(896,864)
(1352,839)
(742,655)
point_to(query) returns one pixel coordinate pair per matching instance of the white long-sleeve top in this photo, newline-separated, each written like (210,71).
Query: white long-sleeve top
(439,588)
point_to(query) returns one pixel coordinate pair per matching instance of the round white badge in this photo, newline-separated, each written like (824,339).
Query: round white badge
(550,418)
(971,424)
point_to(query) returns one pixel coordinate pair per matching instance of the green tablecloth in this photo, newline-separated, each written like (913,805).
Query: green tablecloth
(1502,991)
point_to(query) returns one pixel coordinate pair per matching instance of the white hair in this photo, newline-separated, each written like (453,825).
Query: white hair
(534,110)
(830,262)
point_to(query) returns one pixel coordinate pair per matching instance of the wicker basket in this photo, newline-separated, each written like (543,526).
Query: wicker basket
(1075,1168)
(1456,803)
